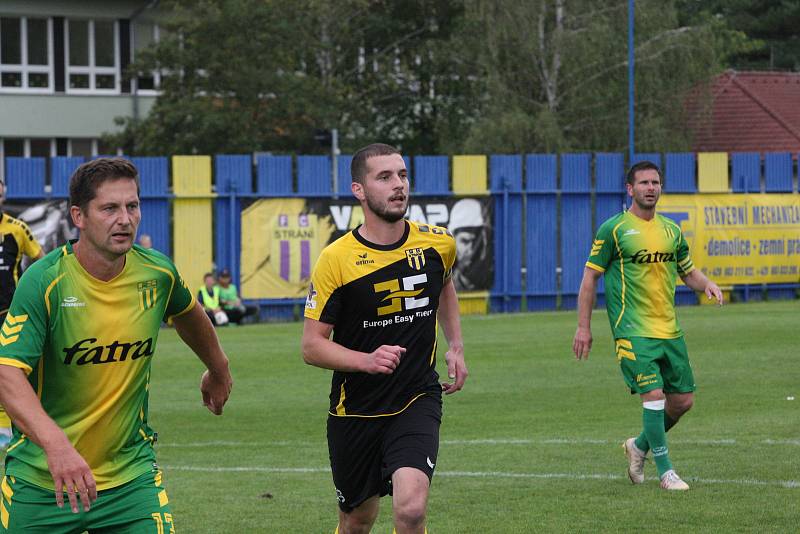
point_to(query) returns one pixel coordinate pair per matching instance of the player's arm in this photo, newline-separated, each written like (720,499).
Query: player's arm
(582,343)
(450,319)
(32,247)
(700,282)
(196,330)
(320,351)
(69,470)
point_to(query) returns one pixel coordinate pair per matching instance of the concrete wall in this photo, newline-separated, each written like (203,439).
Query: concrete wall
(62,115)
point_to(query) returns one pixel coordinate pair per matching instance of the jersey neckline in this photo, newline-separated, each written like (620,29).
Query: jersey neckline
(392,246)
(644,221)
(87,274)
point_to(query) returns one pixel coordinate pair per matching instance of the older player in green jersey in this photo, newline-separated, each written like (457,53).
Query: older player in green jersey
(75,360)
(379,291)
(640,253)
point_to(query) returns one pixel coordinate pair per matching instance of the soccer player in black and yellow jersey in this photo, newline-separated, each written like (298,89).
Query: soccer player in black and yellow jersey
(78,342)
(16,240)
(381,290)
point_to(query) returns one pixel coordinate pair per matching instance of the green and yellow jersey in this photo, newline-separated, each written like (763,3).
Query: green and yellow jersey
(377,295)
(641,260)
(86,346)
(16,240)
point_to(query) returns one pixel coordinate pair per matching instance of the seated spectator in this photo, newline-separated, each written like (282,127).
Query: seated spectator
(229,298)
(208,297)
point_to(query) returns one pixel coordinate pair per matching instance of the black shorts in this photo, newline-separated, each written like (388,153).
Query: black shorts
(365,452)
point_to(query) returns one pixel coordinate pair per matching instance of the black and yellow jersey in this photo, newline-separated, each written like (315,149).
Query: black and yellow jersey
(377,295)
(16,239)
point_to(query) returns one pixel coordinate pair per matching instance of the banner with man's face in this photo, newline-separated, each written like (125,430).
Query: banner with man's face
(282,239)
(49,222)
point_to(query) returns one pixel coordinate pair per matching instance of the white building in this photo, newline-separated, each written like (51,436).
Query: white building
(62,73)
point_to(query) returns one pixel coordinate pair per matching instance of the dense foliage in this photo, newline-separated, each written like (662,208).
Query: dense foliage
(431,76)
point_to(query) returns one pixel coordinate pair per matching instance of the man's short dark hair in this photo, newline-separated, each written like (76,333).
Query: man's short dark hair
(358,166)
(643,166)
(87,178)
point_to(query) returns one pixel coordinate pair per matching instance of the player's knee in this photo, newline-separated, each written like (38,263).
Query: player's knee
(355,524)
(676,407)
(684,406)
(359,521)
(410,513)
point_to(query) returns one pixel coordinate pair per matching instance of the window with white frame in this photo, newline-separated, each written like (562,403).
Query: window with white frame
(92,53)
(26,54)
(145,34)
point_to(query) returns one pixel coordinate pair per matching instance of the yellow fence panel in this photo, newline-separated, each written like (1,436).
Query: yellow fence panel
(473,302)
(193,239)
(712,172)
(191,175)
(469,175)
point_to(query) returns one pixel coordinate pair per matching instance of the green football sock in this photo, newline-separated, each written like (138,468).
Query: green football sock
(657,438)
(641,440)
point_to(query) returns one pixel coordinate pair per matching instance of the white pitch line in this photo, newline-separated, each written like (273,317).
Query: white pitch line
(781,442)
(487,441)
(486,474)
(218,444)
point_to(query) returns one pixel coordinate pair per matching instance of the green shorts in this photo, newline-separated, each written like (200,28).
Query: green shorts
(648,363)
(140,506)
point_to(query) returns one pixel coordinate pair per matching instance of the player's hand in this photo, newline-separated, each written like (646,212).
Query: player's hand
(384,359)
(713,291)
(216,388)
(582,343)
(456,370)
(71,475)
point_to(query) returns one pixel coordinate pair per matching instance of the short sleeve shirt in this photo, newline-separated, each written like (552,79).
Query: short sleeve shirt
(641,261)
(377,295)
(16,241)
(86,346)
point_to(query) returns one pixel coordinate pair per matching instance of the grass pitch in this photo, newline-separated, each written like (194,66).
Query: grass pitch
(532,444)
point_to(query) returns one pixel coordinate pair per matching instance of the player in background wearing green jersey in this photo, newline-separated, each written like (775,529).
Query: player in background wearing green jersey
(75,369)
(640,253)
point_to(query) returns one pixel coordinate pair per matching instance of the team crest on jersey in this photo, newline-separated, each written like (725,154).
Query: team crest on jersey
(416,258)
(148,292)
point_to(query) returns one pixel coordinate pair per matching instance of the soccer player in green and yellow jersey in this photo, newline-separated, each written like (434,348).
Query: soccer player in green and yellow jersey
(75,355)
(16,240)
(640,253)
(381,291)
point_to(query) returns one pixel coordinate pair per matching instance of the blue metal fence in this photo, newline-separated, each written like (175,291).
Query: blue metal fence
(505,184)
(541,232)
(546,208)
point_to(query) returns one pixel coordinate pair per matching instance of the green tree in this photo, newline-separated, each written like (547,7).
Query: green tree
(770,25)
(254,75)
(556,74)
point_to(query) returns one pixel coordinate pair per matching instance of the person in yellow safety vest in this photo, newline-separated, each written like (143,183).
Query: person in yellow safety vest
(208,296)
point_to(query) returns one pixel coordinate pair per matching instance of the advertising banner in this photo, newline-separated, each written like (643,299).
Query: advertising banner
(283,237)
(740,239)
(49,222)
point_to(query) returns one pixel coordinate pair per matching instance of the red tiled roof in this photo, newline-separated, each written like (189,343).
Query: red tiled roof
(748,112)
